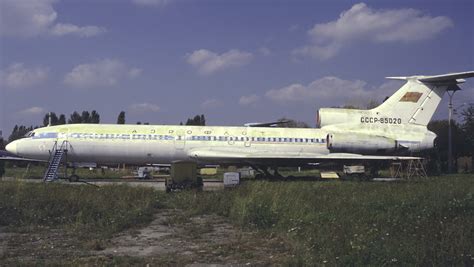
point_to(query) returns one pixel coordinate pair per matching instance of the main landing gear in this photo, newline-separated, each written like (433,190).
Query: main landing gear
(263,172)
(74,177)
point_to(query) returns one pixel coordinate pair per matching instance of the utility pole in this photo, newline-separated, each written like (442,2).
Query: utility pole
(450,139)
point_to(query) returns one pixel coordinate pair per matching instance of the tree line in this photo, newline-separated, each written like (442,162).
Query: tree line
(75,117)
(52,119)
(462,140)
(2,163)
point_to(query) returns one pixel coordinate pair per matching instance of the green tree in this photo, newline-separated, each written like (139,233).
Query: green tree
(440,128)
(75,118)
(95,117)
(289,123)
(121,118)
(19,132)
(467,127)
(54,119)
(349,107)
(86,117)
(2,163)
(62,119)
(197,120)
(372,104)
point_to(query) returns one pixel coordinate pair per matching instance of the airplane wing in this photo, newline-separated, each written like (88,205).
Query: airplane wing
(280,159)
(5,155)
(265,124)
(21,159)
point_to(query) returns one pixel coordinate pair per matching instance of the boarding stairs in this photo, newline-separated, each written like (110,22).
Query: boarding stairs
(55,159)
(412,169)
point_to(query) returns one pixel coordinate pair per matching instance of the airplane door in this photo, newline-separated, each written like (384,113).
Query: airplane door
(180,140)
(247,139)
(62,136)
(61,139)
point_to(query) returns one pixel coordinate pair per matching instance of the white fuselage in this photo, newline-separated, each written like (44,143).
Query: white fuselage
(143,144)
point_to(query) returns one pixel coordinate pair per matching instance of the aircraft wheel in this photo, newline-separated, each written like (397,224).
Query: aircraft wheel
(73,178)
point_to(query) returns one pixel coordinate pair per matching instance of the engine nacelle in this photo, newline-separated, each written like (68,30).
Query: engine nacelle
(426,143)
(359,143)
(331,116)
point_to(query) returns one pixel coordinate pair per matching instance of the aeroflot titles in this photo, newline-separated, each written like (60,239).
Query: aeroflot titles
(157,137)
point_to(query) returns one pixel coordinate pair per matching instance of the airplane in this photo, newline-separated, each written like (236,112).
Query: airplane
(391,131)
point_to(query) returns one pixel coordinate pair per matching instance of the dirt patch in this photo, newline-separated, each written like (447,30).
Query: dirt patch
(46,245)
(200,239)
(172,238)
(4,237)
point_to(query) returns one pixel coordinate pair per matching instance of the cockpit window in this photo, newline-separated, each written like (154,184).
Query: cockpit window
(30,134)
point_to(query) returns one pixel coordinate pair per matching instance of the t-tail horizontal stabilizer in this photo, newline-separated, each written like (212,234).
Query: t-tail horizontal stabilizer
(449,78)
(417,100)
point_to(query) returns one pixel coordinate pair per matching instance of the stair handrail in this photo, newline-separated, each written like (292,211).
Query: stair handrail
(64,146)
(52,153)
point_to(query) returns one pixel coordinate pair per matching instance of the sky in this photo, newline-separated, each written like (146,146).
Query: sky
(163,61)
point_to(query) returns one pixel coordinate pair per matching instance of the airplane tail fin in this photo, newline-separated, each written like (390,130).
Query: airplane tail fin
(417,100)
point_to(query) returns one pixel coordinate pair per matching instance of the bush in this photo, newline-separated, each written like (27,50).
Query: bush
(2,168)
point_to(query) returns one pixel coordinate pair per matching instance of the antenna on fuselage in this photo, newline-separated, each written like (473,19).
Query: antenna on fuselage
(49,119)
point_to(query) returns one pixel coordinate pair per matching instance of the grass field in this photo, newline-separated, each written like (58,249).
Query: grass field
(91,212)
(37,171)
(416,223)
(335,223)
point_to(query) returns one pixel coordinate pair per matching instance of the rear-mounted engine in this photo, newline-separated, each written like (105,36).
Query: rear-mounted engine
(359,143)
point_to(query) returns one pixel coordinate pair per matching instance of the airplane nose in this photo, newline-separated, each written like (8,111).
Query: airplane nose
(12,147)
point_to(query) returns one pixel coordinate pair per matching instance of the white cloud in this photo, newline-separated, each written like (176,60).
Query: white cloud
(362,23)
(29,18)
(134,73)
(211,103)
(332,91)
(208,62)
(248,100)
(144,107)
(61,29)
(318,51)
(26,18)
(19,76)
(32,111)
(389,87)
(150,2)
(102,73)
